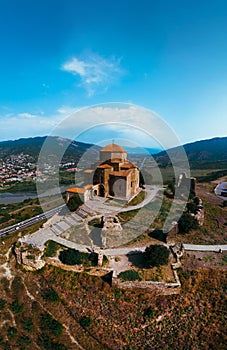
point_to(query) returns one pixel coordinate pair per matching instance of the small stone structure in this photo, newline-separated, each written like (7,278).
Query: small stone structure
(111,228)
(200,213)
(100,256)
(28,256)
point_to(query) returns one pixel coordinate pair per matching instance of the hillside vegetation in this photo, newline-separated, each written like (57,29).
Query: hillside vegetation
(204,154)
(56,309)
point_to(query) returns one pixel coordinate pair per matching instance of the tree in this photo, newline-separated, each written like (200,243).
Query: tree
(50,325)
(192,207)
(2,304)
(74,202)
(224,204)
(74,257)
(85,321)
(70,257)
(156,255)
(51,295)
(15,307)
(129,275)
(186,223)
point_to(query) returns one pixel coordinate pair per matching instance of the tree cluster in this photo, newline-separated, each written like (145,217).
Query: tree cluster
(156,255)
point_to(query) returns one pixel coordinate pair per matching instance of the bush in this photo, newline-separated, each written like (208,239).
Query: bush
(156,255)
(130,275)
(27,324)
(46,343)
(51,249)
(85,321)
(74,257)
(186,223)
(11,332)
(47,322)
(192,208)
(23,340)
(2,304)
(15,307)
(50,295)
(149,312)
(74,202)
(224,204)
(105,260)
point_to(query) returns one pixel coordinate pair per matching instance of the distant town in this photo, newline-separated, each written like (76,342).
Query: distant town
(22,168)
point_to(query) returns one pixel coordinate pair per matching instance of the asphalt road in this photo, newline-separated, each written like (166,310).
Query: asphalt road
(29,222)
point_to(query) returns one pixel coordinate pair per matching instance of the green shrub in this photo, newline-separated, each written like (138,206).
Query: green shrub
(51,249)
(48,323)
(156,255)
(117,293)
(50,295)
(11,332)
(45,342)
(130,275)
(15,307)
(149,312)
(105,260)
(85,321)
(2,304)
(192,207)
(75,257)
(27,324)
(186,223)
(74,202)
(23,340)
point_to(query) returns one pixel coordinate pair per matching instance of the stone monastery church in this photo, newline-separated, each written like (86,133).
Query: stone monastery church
(113,176)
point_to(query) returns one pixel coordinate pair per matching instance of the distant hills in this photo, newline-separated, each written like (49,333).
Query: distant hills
(33,145)
(210,153)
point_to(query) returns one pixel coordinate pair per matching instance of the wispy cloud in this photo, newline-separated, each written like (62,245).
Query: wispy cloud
(95,72)
(16,125)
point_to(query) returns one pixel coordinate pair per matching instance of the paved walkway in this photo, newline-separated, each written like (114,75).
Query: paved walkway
(205,248)
(100,206)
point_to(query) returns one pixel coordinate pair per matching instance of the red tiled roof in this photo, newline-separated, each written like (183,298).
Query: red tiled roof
(113,148)
(76,190)
(105,166)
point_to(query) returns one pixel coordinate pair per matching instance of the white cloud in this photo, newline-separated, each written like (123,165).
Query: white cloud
(96,124)
(117,120)
(14,126)
(94,71)
(66,110)
(26,115)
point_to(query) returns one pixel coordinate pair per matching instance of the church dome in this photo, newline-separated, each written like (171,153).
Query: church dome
(113,148)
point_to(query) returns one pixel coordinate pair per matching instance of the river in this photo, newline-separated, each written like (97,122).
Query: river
(11,198)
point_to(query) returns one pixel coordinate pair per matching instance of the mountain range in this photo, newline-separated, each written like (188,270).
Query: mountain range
(33,145)
(210,153)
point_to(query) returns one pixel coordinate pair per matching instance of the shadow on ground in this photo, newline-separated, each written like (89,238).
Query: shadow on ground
(159,235)
(136,258)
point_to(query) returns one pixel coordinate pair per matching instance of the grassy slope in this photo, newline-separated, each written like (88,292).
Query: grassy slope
(119,319)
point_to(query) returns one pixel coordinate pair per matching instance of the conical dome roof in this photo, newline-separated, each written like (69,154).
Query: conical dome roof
(113,148)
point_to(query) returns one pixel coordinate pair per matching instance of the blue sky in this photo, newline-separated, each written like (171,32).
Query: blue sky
(61,55)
